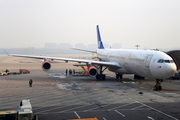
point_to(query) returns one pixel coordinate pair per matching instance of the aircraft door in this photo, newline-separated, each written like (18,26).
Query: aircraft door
(148,59)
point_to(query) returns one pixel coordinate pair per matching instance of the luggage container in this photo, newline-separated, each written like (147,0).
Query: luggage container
(23,71)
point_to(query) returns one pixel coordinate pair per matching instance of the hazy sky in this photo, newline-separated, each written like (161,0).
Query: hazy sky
(31,23)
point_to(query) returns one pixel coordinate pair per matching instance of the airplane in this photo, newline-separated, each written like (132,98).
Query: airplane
(156,65)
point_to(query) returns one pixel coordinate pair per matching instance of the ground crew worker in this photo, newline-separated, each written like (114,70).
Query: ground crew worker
(7,70)
(73,71)
(30,83)
(70,72)
(66,72)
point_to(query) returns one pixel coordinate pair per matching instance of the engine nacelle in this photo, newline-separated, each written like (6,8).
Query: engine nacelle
(91,71)
(46,65)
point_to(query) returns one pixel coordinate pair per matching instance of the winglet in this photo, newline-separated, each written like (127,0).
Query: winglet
(100,44)
(6,52)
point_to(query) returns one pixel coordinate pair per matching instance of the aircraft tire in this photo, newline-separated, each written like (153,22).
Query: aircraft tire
(103,77)
(155,87)
(120,76)
(117,75)
(160,88)
(98,77)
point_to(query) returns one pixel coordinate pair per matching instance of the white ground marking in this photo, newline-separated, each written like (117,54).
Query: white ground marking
(76,114)
(9,100)
(120,106)
(57,108)
(74,108)
(152,108)
(150,118)
(56,103)
(83,111)
(103,105)
(120,113)
(137,107)
(22,95)
(131,82)
(60,76)
(69,105)
(84,106)
(161,112)
(104,118)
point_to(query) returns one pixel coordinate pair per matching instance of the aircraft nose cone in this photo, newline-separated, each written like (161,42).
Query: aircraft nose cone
(170,69)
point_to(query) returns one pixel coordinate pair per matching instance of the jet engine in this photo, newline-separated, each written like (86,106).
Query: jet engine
(91,71)
(46,65)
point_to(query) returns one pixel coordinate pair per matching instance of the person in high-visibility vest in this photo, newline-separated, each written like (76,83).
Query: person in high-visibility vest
(30,83)
(66,72)
(70,72)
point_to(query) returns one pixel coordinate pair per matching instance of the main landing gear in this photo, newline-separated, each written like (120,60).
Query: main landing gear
(158,86)
(118,75)
(101,76)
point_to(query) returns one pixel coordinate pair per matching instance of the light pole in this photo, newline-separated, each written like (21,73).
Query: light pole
(137,46)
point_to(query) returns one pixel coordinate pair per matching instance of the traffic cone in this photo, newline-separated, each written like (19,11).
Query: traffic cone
(5,77)
(170,81)
(94,82)
(47,80)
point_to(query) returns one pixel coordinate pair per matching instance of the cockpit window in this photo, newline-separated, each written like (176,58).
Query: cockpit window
(166,61)
(171,61)
(160,61)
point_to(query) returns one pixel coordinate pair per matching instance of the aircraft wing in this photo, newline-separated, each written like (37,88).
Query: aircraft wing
(108,64)
(92,51)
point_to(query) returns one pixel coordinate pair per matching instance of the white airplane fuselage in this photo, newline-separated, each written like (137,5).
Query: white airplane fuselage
(140,62)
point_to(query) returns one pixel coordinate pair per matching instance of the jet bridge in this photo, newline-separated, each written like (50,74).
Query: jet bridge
(175,54)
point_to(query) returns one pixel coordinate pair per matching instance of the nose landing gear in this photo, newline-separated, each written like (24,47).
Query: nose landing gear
(158,86)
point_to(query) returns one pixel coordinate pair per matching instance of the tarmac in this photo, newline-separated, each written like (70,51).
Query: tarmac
(55,96)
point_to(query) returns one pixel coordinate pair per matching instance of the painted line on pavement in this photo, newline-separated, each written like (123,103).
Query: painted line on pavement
(77,114)
(137,107)
(119,113)
(151,107)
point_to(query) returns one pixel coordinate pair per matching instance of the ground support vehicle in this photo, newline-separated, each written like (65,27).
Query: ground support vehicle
(176,76)
(24,112)
(8,115)
(23,71)
(6,72)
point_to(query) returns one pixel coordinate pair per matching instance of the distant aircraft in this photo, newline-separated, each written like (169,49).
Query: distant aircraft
(146,63)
